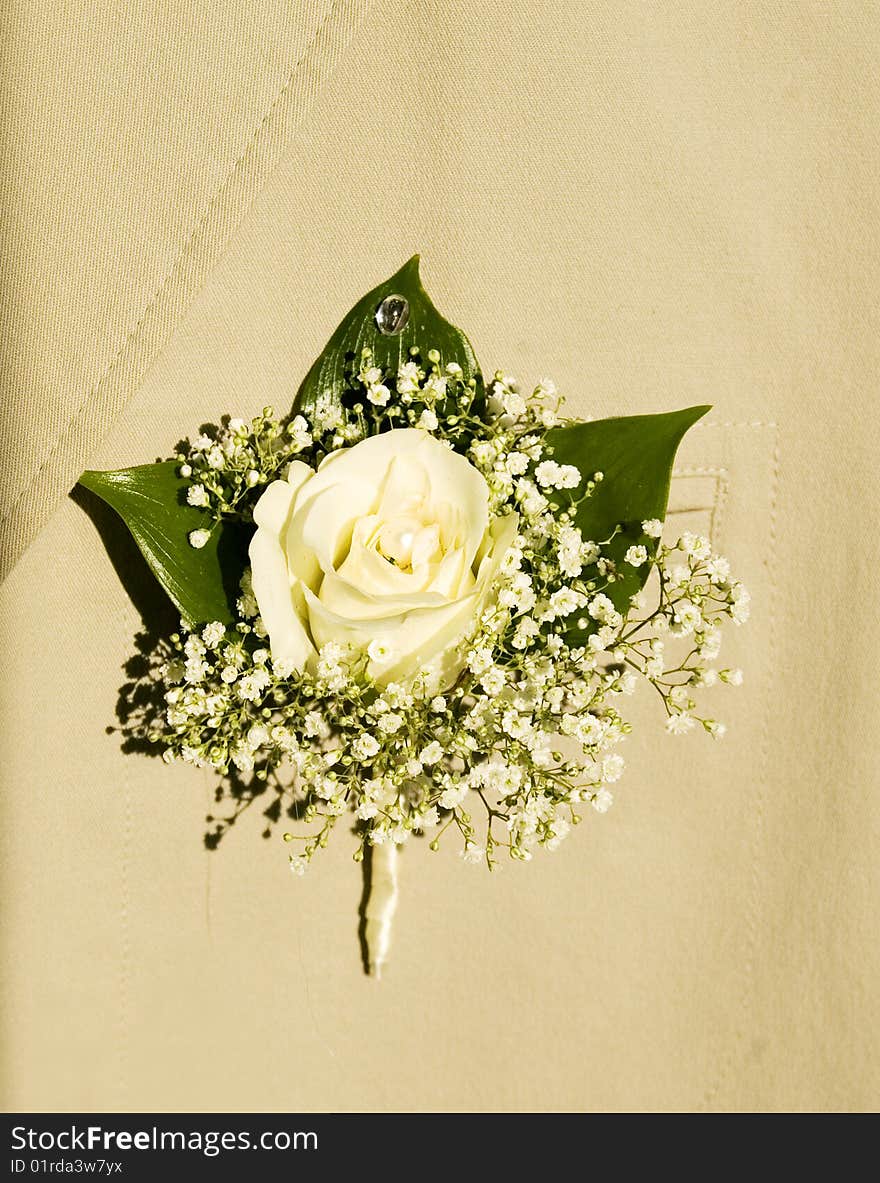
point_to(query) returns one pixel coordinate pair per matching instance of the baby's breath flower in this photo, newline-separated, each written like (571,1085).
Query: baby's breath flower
(327,414)
(473,853)
(492,681)
(741,601)
(299,434)
(551,475)
(602,800)
(197,495)
(679,723)
(390,722)
(480,659)
(379,651)
(687,616)
(636,556)
(695,546)
(365,747)
(431,753)
(408,376)
(213,634)
(379,395)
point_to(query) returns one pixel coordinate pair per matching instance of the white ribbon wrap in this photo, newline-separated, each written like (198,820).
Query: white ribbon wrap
(381,905)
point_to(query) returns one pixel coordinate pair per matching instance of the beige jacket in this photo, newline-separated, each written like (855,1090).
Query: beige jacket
(657,205)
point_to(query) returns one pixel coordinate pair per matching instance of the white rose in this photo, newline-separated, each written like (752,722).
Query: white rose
(387,547)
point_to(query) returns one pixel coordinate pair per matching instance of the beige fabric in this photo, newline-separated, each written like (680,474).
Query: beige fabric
(658,205)
(137,138)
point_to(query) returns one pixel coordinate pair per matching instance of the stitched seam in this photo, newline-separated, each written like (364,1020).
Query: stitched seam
(722,487)
(125,940)
(718,509)
(157,295)
(748,989)
(719,499)
(738,423)
(700,470)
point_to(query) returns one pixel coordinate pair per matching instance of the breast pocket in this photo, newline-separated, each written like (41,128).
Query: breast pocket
(695,809)
(670,883)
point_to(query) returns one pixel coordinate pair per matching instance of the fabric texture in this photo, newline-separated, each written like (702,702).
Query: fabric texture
(656,205)
(195,104)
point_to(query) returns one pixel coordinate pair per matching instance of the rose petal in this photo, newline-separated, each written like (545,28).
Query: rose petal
(288,639)
(422,635)
(406,486)
(411,634)
(273,507)
(321,526)
(350,603)
(360,474)
(456,483)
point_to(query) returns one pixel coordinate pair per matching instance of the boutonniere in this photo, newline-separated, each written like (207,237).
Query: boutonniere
(419,600)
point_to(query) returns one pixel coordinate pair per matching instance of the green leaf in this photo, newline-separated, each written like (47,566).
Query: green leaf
(635,454)
(425,327)
(151,500)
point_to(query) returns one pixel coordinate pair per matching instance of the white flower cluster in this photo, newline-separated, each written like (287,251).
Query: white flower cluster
(526,737)
(226,467)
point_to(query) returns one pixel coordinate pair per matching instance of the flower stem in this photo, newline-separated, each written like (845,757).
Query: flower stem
(381,905)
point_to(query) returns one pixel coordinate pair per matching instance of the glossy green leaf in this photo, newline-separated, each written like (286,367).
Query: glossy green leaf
(426,328)
(151,500)
(635,455)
